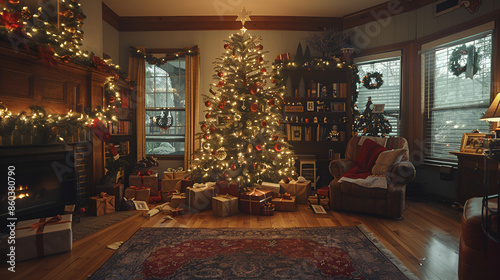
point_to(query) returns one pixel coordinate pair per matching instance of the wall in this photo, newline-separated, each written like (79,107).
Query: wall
(92,27)
(111,41)
(412,25)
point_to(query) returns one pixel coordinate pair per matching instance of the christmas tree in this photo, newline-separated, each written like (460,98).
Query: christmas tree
(242,139)
(372,124)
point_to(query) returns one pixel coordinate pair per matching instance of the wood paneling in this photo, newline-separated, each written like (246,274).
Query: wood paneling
(19,82)
(426,241)
(54,90)
(109,16)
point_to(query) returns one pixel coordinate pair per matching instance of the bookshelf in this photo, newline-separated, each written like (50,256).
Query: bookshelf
(317,115)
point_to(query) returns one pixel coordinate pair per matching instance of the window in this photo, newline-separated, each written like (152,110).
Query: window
(389,93)
(454,104)
(165,97)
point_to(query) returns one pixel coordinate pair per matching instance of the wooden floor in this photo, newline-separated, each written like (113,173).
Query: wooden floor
(426,240)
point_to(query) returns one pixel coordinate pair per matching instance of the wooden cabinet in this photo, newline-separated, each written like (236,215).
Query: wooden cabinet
(317,111)
(471,176)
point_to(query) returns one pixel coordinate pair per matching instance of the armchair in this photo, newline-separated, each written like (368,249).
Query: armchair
(351,196)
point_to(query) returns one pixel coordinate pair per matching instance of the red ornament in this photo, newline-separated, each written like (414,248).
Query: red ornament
(221,105)
(256,87)
(111,99)
(227,46)
(263,123)
(260,59)
(254,107)
(258,147)
(220,73)
(226,174)
(14,2)
(207,116)
(260,47)
(233,167)
(323,69)
(208,104)
(214,152)
(212,129)
(277,147)
(309,69)
(220,84)
(82,210)
(275,137)
(263,70)
(203,126)
(271,102)
(273,80)
(286,180)
(206,136)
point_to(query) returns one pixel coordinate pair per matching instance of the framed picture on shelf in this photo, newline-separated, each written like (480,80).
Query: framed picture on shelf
(378,108)
(472,143)
(296,133)
(318,209)
(338,106)
(310,105)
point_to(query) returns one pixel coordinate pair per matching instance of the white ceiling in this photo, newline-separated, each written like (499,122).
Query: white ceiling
(310,8)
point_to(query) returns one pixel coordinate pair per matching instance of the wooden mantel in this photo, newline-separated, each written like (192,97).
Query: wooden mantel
(25,80)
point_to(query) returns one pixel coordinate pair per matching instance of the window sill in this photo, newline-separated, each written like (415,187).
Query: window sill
(167,157)
(435,165)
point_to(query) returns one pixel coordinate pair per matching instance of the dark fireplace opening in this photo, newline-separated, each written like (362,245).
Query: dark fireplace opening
(44,182)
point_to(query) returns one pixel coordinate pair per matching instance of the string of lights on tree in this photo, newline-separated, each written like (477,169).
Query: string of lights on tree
(241,139)
(372,124)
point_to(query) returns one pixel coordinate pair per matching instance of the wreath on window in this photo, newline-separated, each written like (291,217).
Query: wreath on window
(472,57)
(373,80)
(164,121)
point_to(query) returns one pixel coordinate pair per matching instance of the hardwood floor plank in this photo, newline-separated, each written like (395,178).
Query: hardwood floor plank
(426,240)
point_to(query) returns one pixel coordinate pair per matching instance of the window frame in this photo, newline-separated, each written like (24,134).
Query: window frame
(159,109)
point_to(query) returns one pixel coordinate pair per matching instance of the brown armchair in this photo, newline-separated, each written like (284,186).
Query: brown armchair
(349,196)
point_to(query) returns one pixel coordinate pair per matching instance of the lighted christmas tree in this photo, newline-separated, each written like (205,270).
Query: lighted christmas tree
(242,139)
(372,124)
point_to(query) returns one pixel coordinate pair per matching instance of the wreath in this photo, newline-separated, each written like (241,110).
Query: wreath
(367,80)
(455,56)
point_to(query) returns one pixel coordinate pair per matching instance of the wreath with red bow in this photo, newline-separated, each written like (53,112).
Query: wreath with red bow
(373,80)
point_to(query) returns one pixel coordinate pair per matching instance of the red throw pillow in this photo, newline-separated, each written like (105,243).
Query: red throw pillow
(368,154)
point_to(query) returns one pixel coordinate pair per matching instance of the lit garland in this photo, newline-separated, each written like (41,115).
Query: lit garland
(161,60)
(242,139)
(46,128)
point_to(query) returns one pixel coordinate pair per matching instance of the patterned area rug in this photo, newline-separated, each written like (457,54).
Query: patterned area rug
(287,253)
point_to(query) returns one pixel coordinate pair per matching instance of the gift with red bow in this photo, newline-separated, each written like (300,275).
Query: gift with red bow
(284,202)
(145,179)
(42,237)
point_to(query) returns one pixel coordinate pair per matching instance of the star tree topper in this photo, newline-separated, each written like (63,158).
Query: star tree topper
(244,16)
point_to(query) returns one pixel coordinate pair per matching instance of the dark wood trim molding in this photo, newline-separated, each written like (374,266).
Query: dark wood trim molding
(381,11)
(110,16)
(227,23)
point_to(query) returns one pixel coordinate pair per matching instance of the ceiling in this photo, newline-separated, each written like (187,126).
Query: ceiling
(309,8)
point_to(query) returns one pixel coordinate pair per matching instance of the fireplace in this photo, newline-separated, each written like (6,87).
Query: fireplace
(44,178)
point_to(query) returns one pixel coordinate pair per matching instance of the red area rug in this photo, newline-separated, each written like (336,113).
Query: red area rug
(289,253)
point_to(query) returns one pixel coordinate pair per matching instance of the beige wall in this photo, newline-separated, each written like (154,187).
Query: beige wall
(412,25)
(92,27)
(111,42)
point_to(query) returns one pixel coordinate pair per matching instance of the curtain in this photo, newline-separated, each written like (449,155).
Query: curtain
(192,106)
(137,73)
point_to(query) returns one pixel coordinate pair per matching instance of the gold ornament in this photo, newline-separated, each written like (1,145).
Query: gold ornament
(206,146)
(249,148)
(221,154)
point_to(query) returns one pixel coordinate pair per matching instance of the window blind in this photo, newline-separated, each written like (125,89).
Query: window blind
(389,93)
(454,104)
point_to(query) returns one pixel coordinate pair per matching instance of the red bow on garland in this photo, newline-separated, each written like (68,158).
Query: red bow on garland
(47,56)
(11,21)
(100,64)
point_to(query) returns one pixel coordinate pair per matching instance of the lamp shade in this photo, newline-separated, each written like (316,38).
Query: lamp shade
(493,113)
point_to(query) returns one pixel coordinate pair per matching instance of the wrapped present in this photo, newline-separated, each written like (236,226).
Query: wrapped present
(284,203)
(274,188)
(251,202)
(178,212)
(223,188)
(301,190)
(42,237)
(144,180)
(155,198)
(199,199)
(268,209)
(324,191)
(178,200)
(138,193)
(172,173)
(101,204)
(168,185)
(186,183)
(316,200)
(225,205)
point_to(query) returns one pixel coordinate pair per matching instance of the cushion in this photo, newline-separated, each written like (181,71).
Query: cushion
(386,159)
(380,140)
(368,154)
